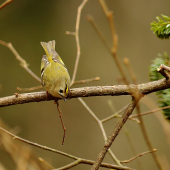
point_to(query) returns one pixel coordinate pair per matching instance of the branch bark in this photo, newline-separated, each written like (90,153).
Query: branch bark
(116,90)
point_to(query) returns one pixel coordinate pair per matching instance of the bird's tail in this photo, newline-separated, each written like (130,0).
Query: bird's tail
(49,47)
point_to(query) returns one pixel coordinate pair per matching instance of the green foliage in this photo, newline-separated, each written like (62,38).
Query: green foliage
(162,27)
(163,95)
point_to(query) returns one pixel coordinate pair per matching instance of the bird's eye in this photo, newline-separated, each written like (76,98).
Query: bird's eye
(61,91)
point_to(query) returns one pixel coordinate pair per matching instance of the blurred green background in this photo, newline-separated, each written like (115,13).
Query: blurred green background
(26,23)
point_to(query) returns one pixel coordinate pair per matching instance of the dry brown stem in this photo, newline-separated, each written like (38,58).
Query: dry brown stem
(109,15)
(116,131)
(84,161)
(5,3)
(77,40)
(151,111)
(141,154)
(23,63)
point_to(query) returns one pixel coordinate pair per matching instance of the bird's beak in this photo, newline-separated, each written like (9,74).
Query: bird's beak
(64,99)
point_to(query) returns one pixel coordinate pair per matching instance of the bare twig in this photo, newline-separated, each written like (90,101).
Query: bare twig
(30,88)
(91,20)
(46,163)
(61,121)
(101,127)
(165,67)
(132,74)
(115,132)
(85,161)
(146,137)
(19,58)
(165,74)
(109,15)
(114,115)
(70,33)
(127,161)
(77,40)
(151,111)
(5,3)
(86,81)
(142,126)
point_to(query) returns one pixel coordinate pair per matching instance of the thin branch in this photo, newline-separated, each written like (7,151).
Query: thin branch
(77,40)
(117,90)
(30,88)
(70,33)
(109,15)
(23,63)
(101,127)
(165,67)
(116,131)
(127,161)
(129,68)
(45,163)
(85,161)
(58,108)
(71,165)
(146,137)
(142,126)
(99,33)
(86,81)
(114,115)
(149,112)
(165,74)
(5,3)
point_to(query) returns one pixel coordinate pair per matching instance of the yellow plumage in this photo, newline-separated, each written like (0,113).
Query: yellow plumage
(54,75)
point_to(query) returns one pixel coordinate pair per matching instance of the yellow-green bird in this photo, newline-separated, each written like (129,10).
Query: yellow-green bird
(54,74)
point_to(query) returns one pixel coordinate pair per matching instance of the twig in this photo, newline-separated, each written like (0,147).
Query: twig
(61,121)
(70,33)
(127,161)
(86,81)
(91,20)
(85,161)
(46,163)
(19,58)
(109,15)
(165,67)
(142,126)
(101,127)
(77,40)
(115,114)
(149,112)
(129,68)
(5,3)
(117,90)
(165,74)
(146,137)
(30,88)
(116,131)
(89,162)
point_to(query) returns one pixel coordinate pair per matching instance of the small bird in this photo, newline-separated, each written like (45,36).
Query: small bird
(54,74)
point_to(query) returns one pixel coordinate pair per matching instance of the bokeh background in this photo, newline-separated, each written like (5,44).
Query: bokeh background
(26,23)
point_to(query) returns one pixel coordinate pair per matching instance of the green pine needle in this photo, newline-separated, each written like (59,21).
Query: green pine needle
(162,27)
